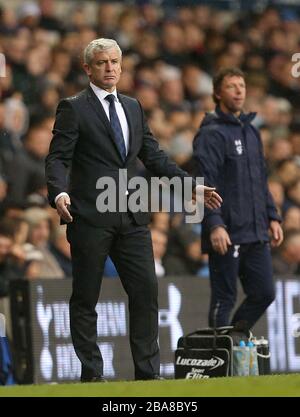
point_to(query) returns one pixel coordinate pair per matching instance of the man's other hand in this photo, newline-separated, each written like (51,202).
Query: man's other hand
(62,205)
(276,233)
(212,199)
(220,240)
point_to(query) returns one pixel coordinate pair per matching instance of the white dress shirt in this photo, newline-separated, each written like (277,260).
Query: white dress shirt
(101,94)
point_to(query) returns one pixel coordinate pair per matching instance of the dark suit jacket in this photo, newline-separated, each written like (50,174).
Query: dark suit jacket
(83,149)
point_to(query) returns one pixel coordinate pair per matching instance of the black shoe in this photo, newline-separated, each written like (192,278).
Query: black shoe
(150,378)
(94,379)
(158,377)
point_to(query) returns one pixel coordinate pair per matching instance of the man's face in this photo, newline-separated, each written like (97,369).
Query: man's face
(105,69)
(232,93)
(40,233)
(38,142)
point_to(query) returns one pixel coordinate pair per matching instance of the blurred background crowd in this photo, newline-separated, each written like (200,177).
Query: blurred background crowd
(170,55)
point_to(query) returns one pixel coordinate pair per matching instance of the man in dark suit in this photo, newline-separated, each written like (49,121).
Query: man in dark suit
(97,133)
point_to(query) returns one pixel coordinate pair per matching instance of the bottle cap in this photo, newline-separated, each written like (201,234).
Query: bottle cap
(263,341)
(250,344)
(242,343)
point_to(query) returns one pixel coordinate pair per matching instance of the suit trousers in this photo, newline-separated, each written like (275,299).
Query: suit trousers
(130,247)
(253,265)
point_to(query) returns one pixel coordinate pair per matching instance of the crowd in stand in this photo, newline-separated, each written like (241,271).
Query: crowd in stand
(169,58)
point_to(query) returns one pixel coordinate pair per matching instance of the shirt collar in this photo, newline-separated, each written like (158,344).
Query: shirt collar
(100,93)
(243,117)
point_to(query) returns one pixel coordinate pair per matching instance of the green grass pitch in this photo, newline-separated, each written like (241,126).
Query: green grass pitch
(263,386)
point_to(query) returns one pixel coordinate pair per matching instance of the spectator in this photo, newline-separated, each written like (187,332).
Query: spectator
(291,219)
(30,176)
(29,14)
(9,270)
(293,192)
(287,260)
(161,221)
(295,141)
(280,149)
(184,255)
(45,265)
(277,192)
(288,172)
(48,20)
(173,44)
(19,229)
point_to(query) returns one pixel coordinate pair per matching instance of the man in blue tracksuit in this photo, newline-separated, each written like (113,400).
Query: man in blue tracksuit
(229,155)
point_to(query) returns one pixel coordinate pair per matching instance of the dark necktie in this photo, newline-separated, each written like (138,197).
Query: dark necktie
(116,126)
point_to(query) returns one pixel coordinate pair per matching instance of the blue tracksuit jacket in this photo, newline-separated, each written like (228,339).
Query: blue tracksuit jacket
(229,155)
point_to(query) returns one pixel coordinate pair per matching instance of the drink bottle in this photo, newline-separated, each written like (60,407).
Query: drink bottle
(265,351)
(253,363)
(241,359)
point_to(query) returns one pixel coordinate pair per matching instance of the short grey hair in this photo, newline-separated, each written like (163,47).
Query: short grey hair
(100,44)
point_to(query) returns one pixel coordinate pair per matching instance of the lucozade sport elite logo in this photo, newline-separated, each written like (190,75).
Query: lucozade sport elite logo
(212,363)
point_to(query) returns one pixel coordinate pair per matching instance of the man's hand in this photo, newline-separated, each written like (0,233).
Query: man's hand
(276,233)
(212,200)
(62,205)
(220,240)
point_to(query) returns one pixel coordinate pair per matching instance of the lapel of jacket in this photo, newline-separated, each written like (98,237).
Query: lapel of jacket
(129,117)
(100,112)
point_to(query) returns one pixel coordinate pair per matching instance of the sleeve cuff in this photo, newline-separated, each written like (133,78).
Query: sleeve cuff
(60,195)
(275,216)
(213,221)
(217,225)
